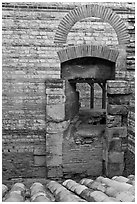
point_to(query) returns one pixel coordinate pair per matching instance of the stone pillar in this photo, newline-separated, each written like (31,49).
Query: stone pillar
(115,139)
(91,95)
(55,126)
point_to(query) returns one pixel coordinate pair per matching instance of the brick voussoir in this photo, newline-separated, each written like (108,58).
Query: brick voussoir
(88,50)
(83,12)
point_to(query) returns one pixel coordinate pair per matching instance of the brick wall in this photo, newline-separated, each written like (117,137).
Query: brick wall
(30,57)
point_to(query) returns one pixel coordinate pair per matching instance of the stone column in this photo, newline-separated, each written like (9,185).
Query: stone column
(115,138)
(55,126)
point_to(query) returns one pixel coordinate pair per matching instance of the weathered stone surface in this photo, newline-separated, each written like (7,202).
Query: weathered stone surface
(53,127)
(118,87)
(54,83)
(117,109)
(54,91)
(115,144)
(116,157)
(40,150)
(119,90)
(55,99)
(117,83)
(116,132)
(55,112)
(25,97)
(54,139)
(53,160)
(118,99)
(40,160)
(54,171)
(113,121)
(54,149)
(114,169)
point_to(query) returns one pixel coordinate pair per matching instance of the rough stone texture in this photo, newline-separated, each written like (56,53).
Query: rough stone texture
(113,121)
(30,57)
(55,112)
(101,189)
(119,90)
(119,99)
(113,148)
(82,145)
(116,132)
(117,109)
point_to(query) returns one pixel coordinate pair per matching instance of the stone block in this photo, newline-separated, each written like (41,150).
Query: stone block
(115,145)
(120,90)
(119,99)
(55,83)
(55,112)
(113,121)
(53,127)
(116,132)
(39,160)
(40,150)
(116,157)
(52,150)
(53,139)
(55,99)
(117,109)
(54,160)
(118,87)
(117,83)
(54,171)
(54,91)
(37,172)
(113,169)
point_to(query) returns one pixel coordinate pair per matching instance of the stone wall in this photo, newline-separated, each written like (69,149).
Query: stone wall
(115,141)
(30,57)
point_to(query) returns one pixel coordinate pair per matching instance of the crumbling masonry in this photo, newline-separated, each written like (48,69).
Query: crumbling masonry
(68,89)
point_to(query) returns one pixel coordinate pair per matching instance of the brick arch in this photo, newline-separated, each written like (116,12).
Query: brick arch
(88,51)
(93,10)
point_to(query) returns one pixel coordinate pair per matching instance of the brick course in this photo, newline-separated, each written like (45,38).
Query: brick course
(30,57)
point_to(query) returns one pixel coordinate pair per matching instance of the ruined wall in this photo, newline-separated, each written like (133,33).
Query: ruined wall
(29,58)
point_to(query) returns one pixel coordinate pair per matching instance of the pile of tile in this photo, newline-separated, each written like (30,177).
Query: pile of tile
(116,189)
